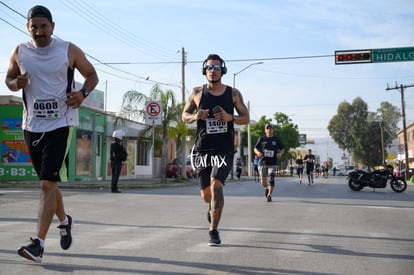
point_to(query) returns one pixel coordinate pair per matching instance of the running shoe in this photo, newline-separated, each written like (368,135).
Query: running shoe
(32,251)
(269,198)
(214,238)
(66,234)
(266,192)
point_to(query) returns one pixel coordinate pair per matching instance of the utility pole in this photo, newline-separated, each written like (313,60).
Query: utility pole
(183,149)
(401,90)
(249,145)
(382,143)
(183,63)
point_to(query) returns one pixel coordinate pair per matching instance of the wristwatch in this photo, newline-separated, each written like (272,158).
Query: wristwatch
(85,92)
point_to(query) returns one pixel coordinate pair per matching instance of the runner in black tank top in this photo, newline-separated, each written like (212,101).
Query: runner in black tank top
(212,106)
(213,136)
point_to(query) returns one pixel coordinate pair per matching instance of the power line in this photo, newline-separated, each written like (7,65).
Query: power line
(95,18)
(8,23)
(110,64)
(114,30)
(10,8)
(90,56)
(227,61)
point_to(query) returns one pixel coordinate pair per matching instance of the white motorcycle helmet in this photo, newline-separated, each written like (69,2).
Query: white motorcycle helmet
(119,134)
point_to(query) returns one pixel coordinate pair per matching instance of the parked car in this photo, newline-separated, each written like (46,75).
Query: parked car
(174,171)
(338,172)
(402,173)
(348,168)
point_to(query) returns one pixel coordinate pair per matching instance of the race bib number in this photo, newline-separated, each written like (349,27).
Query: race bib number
(215,127)
(46,109)
(269,153)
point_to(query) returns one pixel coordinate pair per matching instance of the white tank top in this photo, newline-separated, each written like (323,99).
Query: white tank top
(50,78)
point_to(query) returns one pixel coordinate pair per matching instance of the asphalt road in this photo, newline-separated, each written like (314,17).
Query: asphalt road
(321,229)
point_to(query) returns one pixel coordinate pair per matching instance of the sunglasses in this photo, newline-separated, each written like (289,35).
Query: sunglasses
(213,67)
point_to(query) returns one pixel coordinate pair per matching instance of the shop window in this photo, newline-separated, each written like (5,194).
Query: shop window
(98,145)
(143,153)
(84,153)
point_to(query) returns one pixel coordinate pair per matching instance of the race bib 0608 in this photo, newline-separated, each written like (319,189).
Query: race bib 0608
(46,109)
(215,127)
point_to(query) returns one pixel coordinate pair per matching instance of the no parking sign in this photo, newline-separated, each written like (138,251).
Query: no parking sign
(153,112)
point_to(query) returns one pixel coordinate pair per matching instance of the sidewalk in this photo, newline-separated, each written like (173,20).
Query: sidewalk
(106,184)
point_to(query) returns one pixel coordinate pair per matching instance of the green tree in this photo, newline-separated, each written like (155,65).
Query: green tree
(368,146)
(362,133)
(344,125)
(388,115)
(288,132)
(133,108)
(179,132)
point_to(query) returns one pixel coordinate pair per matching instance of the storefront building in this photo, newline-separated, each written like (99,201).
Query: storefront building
(89,149)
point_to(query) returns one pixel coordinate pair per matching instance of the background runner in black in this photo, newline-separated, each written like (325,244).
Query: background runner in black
(269,148)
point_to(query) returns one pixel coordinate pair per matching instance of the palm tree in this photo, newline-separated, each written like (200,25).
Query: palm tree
(180,132)
(133,108)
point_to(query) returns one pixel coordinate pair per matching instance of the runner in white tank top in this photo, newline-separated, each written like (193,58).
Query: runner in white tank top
(45,107)
(44,68)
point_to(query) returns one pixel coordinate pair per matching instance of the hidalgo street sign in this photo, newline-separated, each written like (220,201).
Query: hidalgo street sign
(392,55)
(374,55)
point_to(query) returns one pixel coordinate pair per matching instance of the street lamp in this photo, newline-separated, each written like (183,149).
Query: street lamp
(245,68)
(249,142)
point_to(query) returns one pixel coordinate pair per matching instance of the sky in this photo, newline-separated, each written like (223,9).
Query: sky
(136,44)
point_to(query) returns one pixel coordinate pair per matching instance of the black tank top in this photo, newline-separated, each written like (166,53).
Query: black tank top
(211,135)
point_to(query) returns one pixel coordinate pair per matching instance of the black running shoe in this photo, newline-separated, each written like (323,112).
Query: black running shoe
(266,192)
(65,234)
(214,238)
(269,198)
(32,251)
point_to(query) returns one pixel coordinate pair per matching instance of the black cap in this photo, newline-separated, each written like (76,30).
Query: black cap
(39,11)
(269,126)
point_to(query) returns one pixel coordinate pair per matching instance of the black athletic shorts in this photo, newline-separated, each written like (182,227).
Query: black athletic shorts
(309,169)
(212,165)
(48,152)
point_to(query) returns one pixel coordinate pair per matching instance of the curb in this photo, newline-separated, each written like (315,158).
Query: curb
(122,184)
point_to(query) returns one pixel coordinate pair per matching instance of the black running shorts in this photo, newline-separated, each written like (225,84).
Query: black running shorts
(211,165)
(48,152)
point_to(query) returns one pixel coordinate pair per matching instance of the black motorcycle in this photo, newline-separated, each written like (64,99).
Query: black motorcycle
(359,179)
